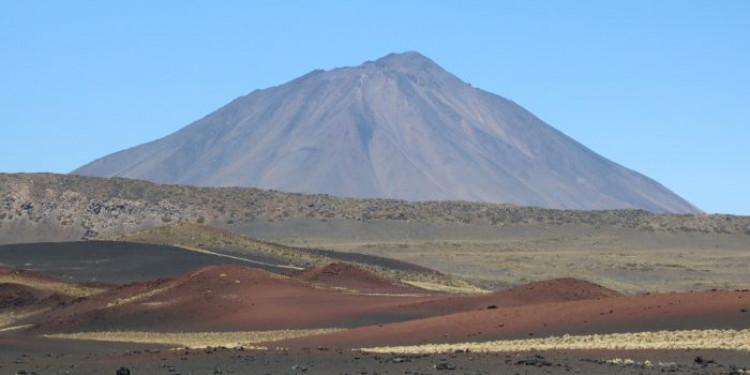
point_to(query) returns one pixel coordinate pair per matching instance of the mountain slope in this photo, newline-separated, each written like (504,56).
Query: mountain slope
(399,127)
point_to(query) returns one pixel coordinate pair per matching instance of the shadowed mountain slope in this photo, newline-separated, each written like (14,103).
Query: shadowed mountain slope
(399,127)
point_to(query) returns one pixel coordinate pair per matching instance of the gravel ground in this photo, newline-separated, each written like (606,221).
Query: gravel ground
(43,356)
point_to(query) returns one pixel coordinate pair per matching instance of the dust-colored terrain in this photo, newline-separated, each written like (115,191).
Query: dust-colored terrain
(330,318)
(58,207)
(88,358)
(310,278)
(624,259)
(486,244)
(278,258)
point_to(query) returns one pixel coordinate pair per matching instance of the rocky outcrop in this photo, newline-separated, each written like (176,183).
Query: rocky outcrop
(69,207)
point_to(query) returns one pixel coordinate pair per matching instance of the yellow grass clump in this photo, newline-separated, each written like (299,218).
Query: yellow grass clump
(245,339)
(11,317)
(458,287)
(54,286)
(688,339)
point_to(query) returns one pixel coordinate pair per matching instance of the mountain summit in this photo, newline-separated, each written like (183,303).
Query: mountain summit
(398,127)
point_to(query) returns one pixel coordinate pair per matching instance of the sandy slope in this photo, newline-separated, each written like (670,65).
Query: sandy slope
(224,298)
(233,298)
(236,298)
(671,311)
(352,277)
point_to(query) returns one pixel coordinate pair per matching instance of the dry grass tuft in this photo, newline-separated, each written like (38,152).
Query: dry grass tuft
(194,339)
(455,287)
(680,340)
(60,287)
(11,317)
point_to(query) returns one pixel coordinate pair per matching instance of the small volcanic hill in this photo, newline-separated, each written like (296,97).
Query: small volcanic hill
(670,311)
(25,293)
(42,283)
(225,298)
(398,127)
(564,289)
(547,291)
(17,295)
(352,277)
(231,297)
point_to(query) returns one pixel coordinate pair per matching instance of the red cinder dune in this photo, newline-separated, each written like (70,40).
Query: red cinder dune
(229,297)
(21,288)
(555,290)
(672,311)
(352,277)
(17,295)
(236,298)
(81,310)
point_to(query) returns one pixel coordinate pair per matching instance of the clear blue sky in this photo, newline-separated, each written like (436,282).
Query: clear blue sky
(662,87)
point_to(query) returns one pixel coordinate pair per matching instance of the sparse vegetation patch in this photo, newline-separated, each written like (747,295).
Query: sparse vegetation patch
(661,340)
(245,339)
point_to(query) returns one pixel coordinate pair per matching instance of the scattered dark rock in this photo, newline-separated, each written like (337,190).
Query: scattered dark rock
(299,367)
(491,307)
(703,362)
(537,360)
(96,207)
(444,366)
(90,233)
(123,371)
(15,296)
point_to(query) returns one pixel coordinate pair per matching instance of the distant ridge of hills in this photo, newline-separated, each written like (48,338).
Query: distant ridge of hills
(51,207)
(399,127)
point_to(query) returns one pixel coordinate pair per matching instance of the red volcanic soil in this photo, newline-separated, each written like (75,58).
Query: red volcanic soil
(234,298)
(555,290)
(352,277)
(40,280)
(16,295)
(229,297)
(24,288)
(564,289)
(672,311)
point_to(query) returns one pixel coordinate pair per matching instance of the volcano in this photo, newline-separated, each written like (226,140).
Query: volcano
(399,127)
